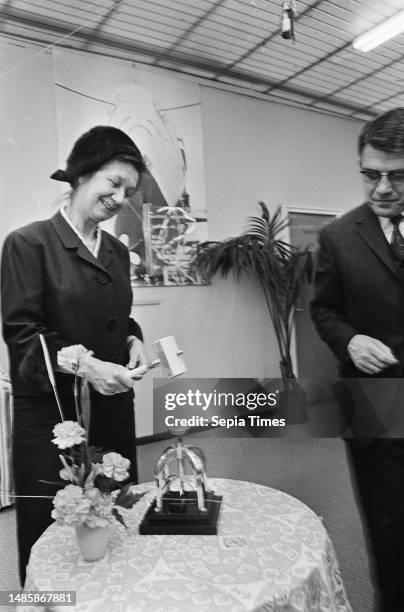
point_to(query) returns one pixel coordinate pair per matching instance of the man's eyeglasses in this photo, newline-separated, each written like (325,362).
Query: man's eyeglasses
(374,176)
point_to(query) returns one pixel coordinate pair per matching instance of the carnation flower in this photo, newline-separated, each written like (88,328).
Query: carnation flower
(101,508)
(95,492)
(71,507)
(69,357)
(68,434)
(115,466)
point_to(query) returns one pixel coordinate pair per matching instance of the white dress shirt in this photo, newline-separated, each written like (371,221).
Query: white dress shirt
(97,244)
(387,227)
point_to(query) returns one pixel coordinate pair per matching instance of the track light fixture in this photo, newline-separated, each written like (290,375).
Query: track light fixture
(380,33)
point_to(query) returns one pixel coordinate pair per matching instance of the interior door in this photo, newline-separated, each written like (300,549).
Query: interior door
(313,358)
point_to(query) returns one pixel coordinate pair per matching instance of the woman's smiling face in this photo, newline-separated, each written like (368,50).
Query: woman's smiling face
(103,193)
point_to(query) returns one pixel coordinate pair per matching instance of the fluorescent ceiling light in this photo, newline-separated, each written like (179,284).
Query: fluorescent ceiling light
(379,34)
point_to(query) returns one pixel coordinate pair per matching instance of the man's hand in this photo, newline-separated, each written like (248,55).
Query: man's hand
(370,355)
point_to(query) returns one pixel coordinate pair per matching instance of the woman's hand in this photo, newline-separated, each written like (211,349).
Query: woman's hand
(137,355)
(106,377)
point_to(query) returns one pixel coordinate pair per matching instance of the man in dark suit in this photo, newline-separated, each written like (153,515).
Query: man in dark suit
(358,310)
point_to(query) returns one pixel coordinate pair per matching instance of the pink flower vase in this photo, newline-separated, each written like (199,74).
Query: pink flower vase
(92,541)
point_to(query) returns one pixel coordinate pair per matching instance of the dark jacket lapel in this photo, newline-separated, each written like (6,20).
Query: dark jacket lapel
(106,251)
(369,230)
(70,240)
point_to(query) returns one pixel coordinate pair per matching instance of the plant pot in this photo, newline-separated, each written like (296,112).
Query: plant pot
(292,403)
(92,541)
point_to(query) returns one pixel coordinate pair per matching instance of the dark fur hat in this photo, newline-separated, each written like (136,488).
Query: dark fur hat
(94,149)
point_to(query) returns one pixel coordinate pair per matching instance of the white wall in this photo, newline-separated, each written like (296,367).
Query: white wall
(27,141)
(252,150)
(256,150)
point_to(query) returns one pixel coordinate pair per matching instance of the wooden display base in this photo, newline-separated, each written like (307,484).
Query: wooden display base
(181,516)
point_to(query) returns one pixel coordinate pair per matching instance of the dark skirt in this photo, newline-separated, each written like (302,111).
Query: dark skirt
(35,458)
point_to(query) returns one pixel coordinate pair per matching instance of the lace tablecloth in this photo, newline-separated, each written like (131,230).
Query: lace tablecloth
(271,553)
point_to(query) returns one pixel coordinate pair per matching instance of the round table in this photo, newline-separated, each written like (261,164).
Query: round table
(271,553)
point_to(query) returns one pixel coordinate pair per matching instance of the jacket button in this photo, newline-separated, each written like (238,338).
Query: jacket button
(111,322)
(102,278)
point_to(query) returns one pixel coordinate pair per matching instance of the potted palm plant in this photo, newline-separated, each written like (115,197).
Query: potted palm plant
(280,268)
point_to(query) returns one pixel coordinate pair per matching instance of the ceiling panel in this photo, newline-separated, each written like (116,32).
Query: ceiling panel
(234,43)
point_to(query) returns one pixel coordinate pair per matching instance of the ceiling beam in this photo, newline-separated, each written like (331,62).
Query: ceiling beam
(189,31)
(104,19)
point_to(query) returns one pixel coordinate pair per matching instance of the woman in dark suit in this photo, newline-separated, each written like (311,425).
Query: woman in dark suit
(68,280)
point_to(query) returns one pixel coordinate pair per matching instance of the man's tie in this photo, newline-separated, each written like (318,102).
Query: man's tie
(397,239)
